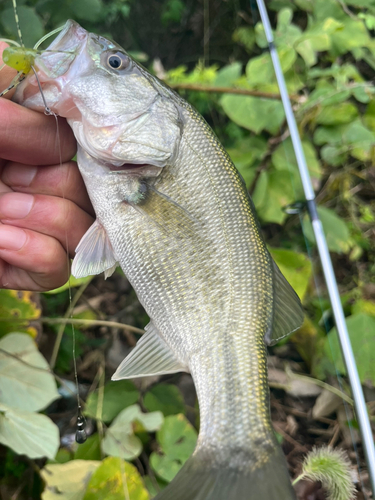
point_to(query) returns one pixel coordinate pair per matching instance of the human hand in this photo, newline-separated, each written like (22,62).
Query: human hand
(44,206)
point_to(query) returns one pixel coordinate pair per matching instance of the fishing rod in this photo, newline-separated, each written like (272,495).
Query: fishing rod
(325,258)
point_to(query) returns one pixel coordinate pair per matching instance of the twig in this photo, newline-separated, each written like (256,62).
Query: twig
(92,322)
(292,441)
(67,315)
(77,321)
(229,90)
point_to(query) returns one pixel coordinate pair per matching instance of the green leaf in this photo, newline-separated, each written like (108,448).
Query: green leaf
(120,440)
(334,155)
(295,266)
(67,481)
(361,328)
(112,478)
(329,135)
(28,433)
(245,153)
(166,398)
(15,305)
(335,229)
(360,139)
(31,25)
(21,385)
(226,76)
(87,10)
(254,113)
(278,193)
(336,115)
(354,34)
(89,450)
(117,396)
(245,36)
(259,70)
(284,159)
(177,439)
(305,48)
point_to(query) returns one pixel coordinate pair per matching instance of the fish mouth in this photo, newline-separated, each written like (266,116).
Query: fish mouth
(139,170)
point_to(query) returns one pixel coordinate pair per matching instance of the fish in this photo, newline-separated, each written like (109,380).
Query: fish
(175,214)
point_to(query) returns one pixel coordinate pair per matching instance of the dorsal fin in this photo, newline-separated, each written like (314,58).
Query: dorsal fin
(287,309)
(151,356)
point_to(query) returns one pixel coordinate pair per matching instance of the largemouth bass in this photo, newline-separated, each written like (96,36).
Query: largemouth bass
(173,212)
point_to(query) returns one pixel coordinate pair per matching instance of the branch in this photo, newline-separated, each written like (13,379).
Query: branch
(228,90)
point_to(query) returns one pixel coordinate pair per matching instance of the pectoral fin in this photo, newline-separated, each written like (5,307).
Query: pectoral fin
(287,309)
(94,254)
(168,215)
(151,356)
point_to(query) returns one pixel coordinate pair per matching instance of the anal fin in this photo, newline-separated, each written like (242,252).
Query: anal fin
(151,356)
(94,254)
(287,309)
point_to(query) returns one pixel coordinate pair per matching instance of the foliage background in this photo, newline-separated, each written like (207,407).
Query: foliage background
(327,52)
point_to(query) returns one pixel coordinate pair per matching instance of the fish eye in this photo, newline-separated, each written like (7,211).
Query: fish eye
(117,61)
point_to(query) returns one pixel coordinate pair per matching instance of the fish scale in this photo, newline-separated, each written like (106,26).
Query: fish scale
(173,212)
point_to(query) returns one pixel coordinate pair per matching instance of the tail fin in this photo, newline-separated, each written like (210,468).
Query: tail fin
(197,480)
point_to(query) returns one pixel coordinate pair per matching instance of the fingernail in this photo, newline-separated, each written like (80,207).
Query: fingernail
(12,238)
(15,205)
(19,175)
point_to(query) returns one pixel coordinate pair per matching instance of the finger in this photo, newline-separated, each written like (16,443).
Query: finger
(33,138)
(49,215)
(6,74)
(63,180)
(31,261)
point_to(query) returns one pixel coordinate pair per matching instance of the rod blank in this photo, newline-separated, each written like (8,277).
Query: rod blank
(346,348)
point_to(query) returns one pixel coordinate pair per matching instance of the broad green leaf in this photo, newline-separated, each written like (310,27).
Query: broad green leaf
(226,76)
(305,48)
(364,306)
(259,70)
(344,112)
(67,481)
(327,8)
(120,440)
(334,155)
(295,266)
(245,36)
(329,135)
(360,139)
(30,24)
(89,450)
(361,328)
(117,396)
(254,113)
(335,229)
(284,158)
(166,398)
(88,10)
(324,96)
(177,439)
(28,433)
(245,154)
(278,193)
(112,479)
(354,34)
(15,305)
(21,385)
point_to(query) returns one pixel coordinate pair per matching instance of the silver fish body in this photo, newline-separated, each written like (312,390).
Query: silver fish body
(173,211)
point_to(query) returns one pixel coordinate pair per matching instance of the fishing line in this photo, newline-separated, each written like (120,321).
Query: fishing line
(360,406)
(81,422)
